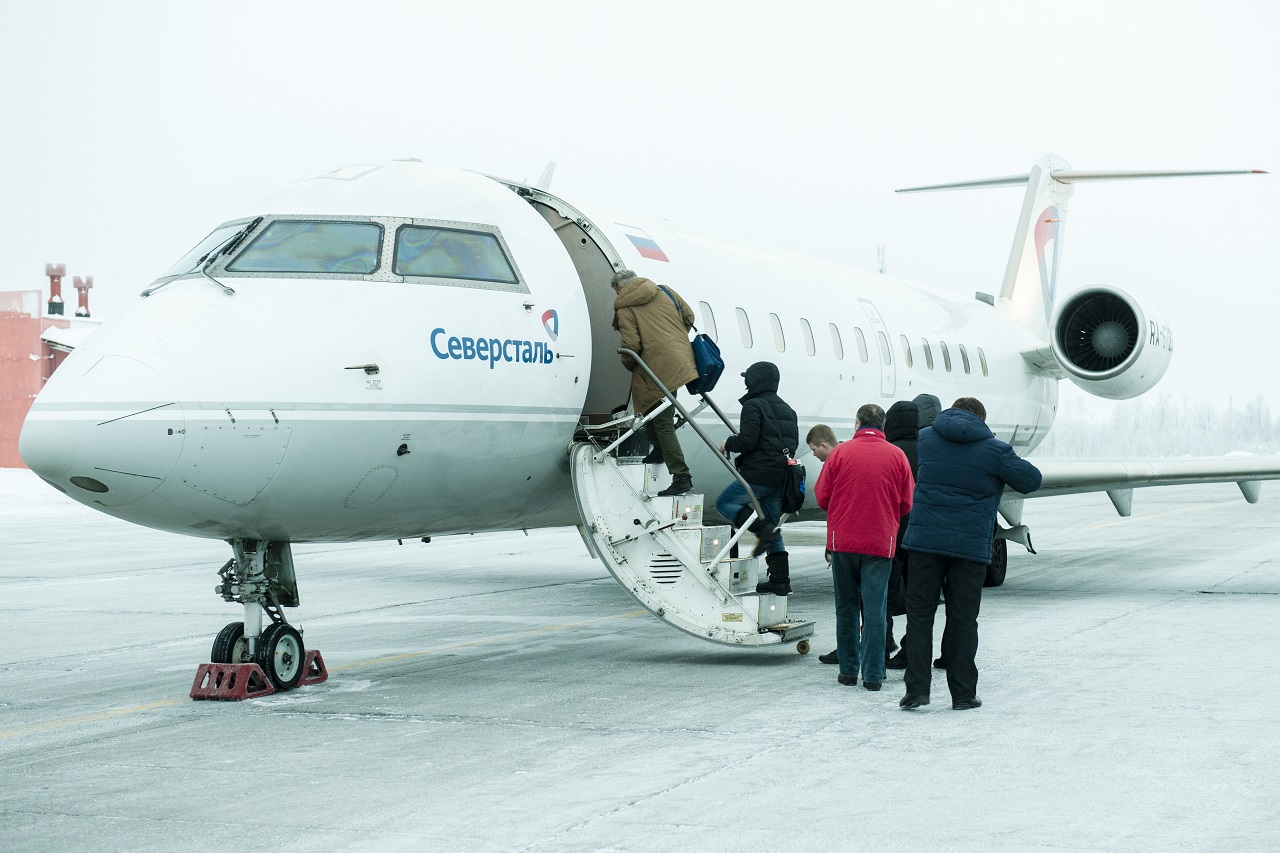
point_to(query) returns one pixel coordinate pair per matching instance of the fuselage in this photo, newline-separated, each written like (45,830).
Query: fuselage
(428,374)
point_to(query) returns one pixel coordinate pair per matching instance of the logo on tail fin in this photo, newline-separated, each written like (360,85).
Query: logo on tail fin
(1046,233)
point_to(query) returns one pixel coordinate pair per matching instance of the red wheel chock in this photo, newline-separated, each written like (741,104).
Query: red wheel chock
(236,681)
(313,671)
(233,681)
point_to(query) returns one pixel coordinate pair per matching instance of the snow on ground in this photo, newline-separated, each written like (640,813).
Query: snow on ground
(501,692)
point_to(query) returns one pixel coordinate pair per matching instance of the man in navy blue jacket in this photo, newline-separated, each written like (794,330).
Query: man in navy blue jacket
(963,471)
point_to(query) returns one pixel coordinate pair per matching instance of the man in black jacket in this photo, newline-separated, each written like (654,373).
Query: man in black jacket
(768,432)
(901,428)
(964,470)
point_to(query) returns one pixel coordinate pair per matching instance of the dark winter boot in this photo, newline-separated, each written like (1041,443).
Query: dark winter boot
(763,529)
(739,520)
(779,582)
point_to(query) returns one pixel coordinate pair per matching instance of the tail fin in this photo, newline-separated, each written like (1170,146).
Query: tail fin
(1031,278)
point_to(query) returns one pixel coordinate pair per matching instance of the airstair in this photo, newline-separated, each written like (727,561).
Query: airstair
(659,549)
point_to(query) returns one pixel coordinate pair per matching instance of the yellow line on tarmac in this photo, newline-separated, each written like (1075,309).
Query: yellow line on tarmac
(90,718)
(177,700)
(1185,509)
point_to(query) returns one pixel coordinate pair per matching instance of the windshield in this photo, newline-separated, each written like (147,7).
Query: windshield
(450,253)
(188,262)
(291,246)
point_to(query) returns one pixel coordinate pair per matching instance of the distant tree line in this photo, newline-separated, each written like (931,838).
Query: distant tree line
(1164,425)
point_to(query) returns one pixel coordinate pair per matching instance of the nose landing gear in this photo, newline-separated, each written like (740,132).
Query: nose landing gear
(246,660)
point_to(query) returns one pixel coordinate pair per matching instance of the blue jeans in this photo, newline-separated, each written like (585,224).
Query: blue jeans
(861,585)
(734,498)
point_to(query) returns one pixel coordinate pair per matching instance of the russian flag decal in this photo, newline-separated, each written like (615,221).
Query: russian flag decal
(644,244)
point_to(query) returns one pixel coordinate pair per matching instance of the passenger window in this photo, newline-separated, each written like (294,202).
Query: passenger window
(744,327)
(964,358)
(837,345)
(886,355)
(946,355)
(809,346)
(449,253)
(778,340)
(293,246)
(906,351)
(862,344)
(928,353)
(709,322)
(982,360)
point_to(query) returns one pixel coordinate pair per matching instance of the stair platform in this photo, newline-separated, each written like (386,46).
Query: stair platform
(661,552)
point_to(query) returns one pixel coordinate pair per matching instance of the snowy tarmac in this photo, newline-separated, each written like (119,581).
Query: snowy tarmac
(502,692)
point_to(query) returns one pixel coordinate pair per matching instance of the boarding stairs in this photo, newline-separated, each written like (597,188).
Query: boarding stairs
(659,549)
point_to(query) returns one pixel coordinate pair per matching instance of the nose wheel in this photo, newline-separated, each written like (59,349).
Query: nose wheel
(230,645)
(280,654)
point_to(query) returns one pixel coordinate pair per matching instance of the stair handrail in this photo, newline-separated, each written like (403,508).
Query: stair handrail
(706,439)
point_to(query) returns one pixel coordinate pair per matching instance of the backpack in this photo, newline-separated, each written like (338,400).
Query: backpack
(793,486)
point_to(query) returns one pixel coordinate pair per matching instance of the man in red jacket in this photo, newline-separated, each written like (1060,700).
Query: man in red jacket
(865,487)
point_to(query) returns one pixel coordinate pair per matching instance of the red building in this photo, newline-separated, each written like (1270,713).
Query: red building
(34,339)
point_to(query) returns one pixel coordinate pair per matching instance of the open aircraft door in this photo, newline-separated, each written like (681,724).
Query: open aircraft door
(595,260)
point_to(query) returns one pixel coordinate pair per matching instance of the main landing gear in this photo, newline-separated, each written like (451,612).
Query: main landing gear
(248,660)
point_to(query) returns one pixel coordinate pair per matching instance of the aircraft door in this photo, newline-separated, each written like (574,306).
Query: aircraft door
(593,257)
(888,375)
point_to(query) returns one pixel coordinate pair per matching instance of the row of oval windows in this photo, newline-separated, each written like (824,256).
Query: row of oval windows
(837,342)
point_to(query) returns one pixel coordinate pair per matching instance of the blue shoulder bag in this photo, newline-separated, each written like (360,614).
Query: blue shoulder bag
(706,356)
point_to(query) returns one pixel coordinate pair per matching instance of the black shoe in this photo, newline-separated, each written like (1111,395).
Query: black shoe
(847,680)
(898,661)
(834,657)
(778,586)
(912,701)
(871,685)
(966,704)
(654,457)
(679,486)
(939,664)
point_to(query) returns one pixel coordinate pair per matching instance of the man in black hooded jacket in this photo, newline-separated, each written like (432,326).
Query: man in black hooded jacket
(901,428)
(768,431)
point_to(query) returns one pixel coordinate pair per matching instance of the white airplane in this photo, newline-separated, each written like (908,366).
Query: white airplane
(397,351)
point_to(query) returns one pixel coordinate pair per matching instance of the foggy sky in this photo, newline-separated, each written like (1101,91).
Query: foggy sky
(131,129)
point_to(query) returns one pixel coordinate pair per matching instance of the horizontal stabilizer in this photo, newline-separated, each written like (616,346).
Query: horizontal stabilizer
(1072,176)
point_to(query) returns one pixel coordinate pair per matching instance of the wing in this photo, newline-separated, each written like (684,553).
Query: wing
(1119,477)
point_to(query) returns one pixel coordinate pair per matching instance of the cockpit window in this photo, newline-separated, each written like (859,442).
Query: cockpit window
(292,246)
(449,253)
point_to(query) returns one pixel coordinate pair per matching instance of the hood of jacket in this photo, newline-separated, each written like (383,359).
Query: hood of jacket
(961,427)
(761,378)
(637,291)
(902,421)
(929,407)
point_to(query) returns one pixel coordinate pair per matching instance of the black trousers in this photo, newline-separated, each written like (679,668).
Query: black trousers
(928,575)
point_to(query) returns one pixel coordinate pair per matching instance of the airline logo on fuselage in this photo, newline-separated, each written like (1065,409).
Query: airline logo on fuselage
(495,350)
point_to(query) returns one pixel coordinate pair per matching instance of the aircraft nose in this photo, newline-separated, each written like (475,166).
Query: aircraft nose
(106,429)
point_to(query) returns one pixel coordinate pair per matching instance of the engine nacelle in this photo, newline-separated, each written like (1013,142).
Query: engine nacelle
(1111,343)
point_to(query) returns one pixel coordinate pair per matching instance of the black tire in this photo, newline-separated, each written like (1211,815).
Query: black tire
(999,563)
(280,654)
(230,646)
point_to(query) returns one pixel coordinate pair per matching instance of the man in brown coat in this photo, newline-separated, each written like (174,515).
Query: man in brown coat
(654,323)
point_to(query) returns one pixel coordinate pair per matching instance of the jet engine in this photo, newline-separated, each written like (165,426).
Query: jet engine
(1111,343)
